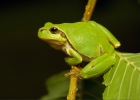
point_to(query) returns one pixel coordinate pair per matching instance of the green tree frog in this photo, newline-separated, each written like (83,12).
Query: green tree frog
(83,42)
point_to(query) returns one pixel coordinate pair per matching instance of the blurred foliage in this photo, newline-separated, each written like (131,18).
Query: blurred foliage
(58,85)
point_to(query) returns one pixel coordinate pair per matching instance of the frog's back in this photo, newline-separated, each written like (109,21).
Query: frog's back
(86,38)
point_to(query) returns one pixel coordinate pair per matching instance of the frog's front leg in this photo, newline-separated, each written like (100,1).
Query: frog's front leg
(74,58)
(98,66)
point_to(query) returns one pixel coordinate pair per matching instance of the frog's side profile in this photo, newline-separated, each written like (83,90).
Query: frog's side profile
(83,41)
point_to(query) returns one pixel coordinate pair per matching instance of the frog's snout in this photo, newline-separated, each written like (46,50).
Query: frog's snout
(41,30)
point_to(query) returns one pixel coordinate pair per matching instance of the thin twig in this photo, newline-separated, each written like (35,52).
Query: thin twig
(89,10)
(72,88)
(74,72)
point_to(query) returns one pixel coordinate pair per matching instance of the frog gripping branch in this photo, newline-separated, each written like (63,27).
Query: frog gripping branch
(82,41)
(91,42)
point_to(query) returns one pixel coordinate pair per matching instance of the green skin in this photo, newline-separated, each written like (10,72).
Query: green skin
(83,41)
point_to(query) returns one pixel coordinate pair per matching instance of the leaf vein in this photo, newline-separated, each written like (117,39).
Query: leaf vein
(130,85)
(138,86)
(113,76)
(127,61)
(133,56)
(122,81)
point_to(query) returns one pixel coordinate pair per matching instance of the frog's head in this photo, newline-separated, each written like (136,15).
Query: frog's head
(51,34)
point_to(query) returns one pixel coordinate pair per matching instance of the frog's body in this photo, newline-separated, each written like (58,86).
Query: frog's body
(82,41)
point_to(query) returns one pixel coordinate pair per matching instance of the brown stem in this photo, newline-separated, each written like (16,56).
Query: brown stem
(72,88)
(89,10)
(74,72)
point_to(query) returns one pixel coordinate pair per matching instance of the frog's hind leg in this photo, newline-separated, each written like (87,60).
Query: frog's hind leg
(98,66)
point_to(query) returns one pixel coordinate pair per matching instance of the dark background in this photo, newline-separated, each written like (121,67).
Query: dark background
(26,62)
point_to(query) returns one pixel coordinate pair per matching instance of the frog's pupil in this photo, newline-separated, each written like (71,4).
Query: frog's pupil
(53,29)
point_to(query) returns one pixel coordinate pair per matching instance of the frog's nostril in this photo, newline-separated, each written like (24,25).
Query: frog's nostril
(42,30)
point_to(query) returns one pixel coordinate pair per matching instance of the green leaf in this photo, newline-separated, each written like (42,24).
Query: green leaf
(57,86)
(123,79)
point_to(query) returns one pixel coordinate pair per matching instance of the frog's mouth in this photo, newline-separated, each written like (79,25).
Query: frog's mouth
(56,44)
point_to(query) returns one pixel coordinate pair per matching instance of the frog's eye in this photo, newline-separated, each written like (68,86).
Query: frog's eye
(54,30)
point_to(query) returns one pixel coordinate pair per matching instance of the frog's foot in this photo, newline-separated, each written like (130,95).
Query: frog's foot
(75,71)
